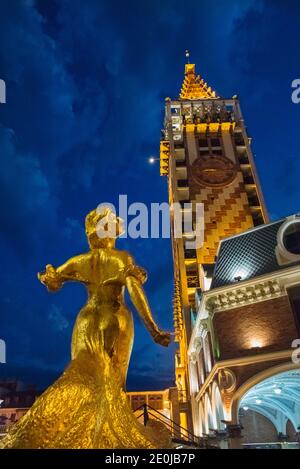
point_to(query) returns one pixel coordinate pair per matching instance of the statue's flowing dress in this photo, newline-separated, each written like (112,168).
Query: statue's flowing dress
(87,406)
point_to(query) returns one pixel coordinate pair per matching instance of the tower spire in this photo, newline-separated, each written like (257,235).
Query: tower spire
(193,86)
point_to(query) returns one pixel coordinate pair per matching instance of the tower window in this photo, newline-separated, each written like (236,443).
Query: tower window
(190,253)
(217,152)
(243,158)
(253,201)
(182,183)
(239,140)
(175,110)
(203,142)
(249,179)
(257,219)
(181,164)
(183,203)
(215,142)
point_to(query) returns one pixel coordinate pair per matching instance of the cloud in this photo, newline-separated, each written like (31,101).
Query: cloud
(56,316)
(24,192)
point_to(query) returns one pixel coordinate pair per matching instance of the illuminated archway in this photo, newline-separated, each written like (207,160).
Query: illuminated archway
(259,377)
(217,407)
(202,425)
(210,419)
(196,416)
(275,396)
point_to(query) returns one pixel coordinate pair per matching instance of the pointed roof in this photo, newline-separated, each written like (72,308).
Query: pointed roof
(194,87)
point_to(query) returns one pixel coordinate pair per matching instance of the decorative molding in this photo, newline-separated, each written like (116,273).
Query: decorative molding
(226,380)
(177,308)
(198,344)
(242,361)
(193,358)
(242,296)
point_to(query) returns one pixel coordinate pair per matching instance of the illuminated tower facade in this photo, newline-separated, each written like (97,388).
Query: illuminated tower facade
(206,155)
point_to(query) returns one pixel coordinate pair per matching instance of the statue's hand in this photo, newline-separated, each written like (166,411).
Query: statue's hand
(50,278)
(162,338)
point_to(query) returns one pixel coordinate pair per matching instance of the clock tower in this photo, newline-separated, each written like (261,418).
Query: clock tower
(206,155)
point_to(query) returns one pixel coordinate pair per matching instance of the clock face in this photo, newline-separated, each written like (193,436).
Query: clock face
(213,171)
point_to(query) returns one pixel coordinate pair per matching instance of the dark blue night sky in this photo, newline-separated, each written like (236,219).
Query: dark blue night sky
(86,82)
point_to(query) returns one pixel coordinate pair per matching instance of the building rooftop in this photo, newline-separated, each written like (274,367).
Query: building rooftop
(14,394)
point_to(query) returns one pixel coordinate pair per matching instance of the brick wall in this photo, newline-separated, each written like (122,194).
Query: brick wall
(290,431)
(270,323)
(257,428)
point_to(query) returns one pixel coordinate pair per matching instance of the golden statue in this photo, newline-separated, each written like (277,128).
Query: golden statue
(87,406)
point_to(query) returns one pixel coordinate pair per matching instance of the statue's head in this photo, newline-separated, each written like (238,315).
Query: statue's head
(102,227)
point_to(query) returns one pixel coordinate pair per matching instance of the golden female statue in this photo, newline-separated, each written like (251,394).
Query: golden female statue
(87,406)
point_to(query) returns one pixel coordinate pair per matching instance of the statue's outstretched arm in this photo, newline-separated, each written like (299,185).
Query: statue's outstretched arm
(54,278)
(139,299)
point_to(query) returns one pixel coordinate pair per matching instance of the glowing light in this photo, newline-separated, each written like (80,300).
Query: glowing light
(258,401)
(277,391)
(238,278)
(255,343)
(240,275)
(246,408)
(151,160)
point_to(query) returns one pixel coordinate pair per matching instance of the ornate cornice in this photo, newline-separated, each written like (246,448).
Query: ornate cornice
(241,296)
(177,308)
